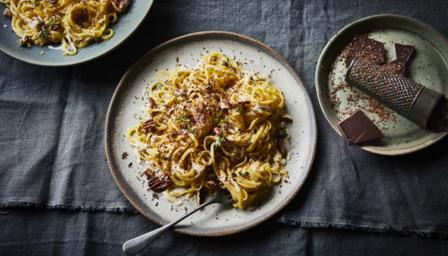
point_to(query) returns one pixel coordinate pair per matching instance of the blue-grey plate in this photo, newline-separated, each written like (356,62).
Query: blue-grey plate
(429,68)
(127,23)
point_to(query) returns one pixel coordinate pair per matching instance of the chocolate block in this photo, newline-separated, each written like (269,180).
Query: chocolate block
(404,52)
(403,55)
(364,47)
(358,129)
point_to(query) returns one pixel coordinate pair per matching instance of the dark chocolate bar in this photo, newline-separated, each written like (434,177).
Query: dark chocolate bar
(358,129)
(403,55)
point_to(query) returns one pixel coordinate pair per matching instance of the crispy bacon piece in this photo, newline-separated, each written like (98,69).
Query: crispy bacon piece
(282,147)
(148,126)
(152,102)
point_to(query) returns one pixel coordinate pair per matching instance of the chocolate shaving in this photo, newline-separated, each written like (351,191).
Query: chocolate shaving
(394,67)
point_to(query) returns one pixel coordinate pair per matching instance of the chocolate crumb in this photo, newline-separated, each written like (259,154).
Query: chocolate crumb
(124,155)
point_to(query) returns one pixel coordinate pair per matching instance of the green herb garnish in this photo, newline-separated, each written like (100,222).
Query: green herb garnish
(219,141)
(190,129)
(44,33)
(182,118)
(222,122)
(283,133)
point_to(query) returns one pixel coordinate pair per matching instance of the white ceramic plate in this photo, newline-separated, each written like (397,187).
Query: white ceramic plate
(127,105)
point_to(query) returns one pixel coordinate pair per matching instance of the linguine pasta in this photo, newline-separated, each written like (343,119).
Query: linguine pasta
(214,126)
(72,23)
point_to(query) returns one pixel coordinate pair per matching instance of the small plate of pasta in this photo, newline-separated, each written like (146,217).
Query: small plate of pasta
(66,32)
(209,112)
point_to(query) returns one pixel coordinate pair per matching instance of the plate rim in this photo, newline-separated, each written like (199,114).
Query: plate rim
(232,36)
(372,149)
(95,57)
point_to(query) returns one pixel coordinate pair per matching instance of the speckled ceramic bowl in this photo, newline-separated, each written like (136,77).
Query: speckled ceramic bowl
(128,22)
(429,68)
(127,105)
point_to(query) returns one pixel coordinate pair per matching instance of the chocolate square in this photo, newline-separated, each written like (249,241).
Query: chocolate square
(364,47)
(400,65)
(358,128)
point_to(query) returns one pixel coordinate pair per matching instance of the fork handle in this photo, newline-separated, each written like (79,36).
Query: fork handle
(137,244)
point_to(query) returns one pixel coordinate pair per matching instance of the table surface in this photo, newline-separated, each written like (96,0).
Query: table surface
(54,229)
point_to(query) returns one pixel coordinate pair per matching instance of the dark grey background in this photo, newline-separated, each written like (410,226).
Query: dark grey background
(59,195)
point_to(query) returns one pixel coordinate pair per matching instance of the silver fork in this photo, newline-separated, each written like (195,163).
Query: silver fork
(137,244)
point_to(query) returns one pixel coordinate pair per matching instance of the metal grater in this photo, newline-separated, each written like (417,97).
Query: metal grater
(408,98)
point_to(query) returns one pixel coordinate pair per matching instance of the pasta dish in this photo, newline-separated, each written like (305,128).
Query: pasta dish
(72,23)
(213,127)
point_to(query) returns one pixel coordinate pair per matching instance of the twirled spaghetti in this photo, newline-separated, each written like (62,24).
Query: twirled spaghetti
(72,23)
(213,126)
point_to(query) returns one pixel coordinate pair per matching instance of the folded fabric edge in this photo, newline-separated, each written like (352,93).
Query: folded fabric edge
(366,228)
(4,207)
(7,206)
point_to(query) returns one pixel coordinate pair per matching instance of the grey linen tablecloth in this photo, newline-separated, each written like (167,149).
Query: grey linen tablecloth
(102,233)
(51,134)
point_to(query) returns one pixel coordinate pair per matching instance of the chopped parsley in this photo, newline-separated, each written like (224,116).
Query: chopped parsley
(190,129)
(283,133)
(219,119)
(182,118)
(219,141)
(222,122)
(44,33)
